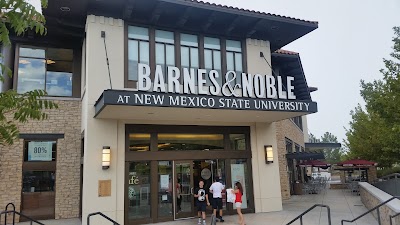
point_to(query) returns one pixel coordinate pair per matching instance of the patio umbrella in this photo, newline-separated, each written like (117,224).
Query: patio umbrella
(356,163)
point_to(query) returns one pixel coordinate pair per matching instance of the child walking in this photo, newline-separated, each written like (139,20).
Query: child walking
(238,191)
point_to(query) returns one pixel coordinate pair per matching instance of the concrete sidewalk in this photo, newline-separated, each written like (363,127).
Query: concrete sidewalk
(343,204)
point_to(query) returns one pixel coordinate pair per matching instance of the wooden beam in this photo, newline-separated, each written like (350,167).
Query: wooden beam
(209,21)
(253,29)
(232,25)
(128,9)
(184,18)
(156,14)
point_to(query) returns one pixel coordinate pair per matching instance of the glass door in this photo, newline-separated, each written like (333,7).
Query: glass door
(184,201)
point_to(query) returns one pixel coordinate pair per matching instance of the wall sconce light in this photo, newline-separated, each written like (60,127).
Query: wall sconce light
(269,154)
(106,157)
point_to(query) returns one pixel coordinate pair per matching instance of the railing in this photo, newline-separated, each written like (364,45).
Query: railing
(6,212)
(101,214)
(390,176)
(308,210)
(375,208)
(393,216)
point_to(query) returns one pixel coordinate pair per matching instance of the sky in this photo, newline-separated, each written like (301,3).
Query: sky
(352,39)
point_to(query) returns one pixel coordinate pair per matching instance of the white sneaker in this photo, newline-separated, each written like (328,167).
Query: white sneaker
(199,222)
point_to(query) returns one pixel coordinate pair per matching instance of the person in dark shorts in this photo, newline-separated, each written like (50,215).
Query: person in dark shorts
(216,189)
(201,195)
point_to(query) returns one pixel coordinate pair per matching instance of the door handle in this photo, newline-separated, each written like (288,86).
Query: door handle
(191,190)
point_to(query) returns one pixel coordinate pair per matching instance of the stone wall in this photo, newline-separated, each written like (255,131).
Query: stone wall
(64,120)
(286,128)
(372,196)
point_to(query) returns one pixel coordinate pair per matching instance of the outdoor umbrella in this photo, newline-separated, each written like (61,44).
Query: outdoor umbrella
(356,163)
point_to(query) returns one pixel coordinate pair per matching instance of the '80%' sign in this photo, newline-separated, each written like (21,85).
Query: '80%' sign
(40,151)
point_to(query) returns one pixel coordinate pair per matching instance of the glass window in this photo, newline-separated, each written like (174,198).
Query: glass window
(38,181)
(139,33)
(238,141)
(40,151)
(45,69)
(165,50)
(183,142)
(212,57)
(139,142)
(289,145)
(240,173)
(165,191)
(138,50)
(190,51)
(234,58)
(212,43)
(139,190)
(296,148)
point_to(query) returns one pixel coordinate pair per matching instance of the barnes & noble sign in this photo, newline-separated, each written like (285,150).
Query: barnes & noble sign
(198,88)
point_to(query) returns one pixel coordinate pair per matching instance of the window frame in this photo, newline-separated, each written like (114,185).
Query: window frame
(76,66)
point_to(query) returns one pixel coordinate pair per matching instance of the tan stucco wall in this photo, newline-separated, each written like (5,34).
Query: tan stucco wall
(286,128)
(101,132)
(64,120)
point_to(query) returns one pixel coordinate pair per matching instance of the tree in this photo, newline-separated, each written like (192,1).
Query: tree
(374,131)
(19,16)
(331,155)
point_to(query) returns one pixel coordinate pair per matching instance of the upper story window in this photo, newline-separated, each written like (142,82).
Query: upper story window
(212,57)
(234,58)
(48,69)
(138,49)
(289,145)
(165,50)
(189,51)
(298,120)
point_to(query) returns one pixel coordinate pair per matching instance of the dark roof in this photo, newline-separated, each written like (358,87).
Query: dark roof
(319,145)
(286,52)
(248,10)
(289,64)
(305,156)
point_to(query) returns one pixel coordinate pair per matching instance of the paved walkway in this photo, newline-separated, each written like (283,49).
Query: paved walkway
(343,205)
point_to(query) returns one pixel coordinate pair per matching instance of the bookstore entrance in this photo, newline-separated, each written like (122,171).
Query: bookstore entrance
(164,165)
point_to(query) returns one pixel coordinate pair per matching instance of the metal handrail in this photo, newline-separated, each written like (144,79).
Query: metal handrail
(6,209)
(21,215)
(375,208)
(393,216)
(101,214)
(390,176)
(308,210)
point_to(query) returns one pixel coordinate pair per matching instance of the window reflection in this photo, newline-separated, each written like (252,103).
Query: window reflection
(183,142)
(238,141)
(38,181)
(47,69)
(165,191)
(234,58)
(139,142)
(190,51)
(165,50)
(212,57)
(239,173)
(138,50)
(139,190)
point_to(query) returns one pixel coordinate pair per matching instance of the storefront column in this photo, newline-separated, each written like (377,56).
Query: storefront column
(267,190)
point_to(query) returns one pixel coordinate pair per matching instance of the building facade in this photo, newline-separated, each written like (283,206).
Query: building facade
(155,96)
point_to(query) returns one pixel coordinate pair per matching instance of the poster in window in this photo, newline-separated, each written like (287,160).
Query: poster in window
(40,151)
(237,171)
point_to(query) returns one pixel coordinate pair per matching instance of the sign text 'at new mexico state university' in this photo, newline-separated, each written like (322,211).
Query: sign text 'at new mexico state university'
(136,98)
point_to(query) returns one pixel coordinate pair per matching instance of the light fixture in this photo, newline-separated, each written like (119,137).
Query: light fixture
(106,157)
(269,154)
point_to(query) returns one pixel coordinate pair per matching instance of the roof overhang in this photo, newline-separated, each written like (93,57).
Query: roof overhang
(123,104)
(319,145)
(182,15)
(305,156)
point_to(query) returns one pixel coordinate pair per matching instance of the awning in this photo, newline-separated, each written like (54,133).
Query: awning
(356,163)
(305,156)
